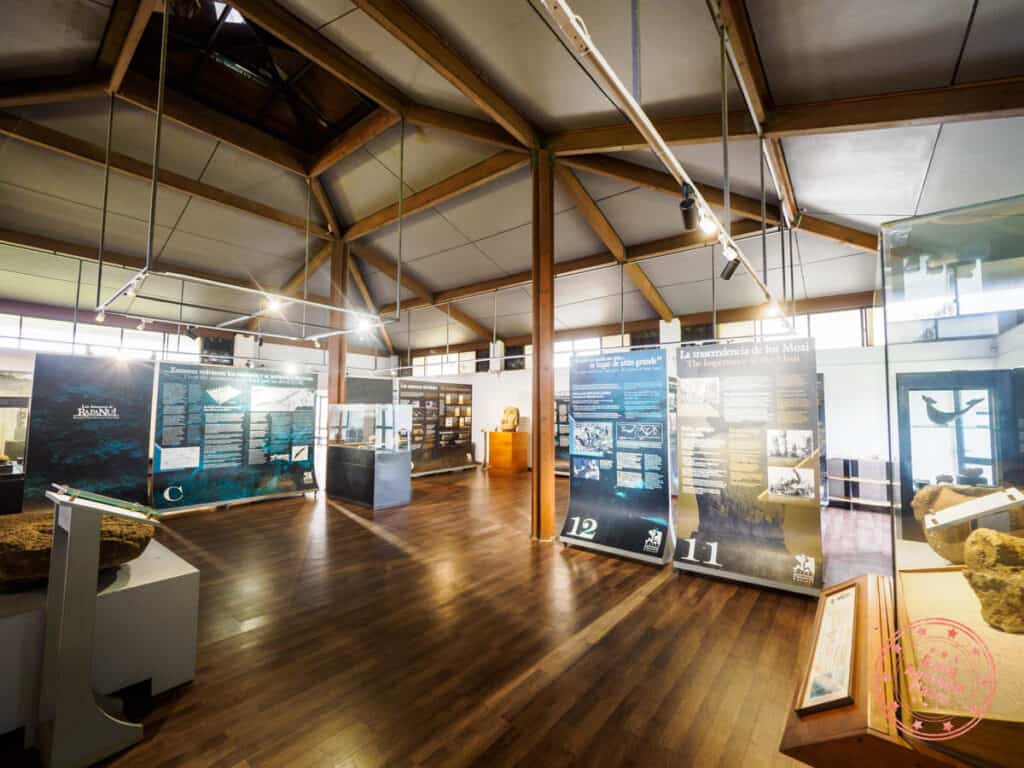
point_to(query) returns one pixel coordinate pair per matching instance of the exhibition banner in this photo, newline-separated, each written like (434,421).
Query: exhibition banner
(749,469)
(89,427)
(618,444)
(442,424)
(562,435)
(224,434)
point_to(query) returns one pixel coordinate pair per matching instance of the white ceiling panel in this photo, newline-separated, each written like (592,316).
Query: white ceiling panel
(815,50)
(51,37)
(600,186)
(430,155)
(685,298)
(382,288)
(844,275)
(499,206)
(975,162)
(25,166)
(269,269)
(437,337)
(512,47)
(994,47)
(423,234)
(515,325)
(360,185)
(592,284)
(859,175)
(643,215)
(218,224)
(679,58)
(514,301)
(182,150)
(605,310)
(318,13)
(29,211)
(239,172)
(455,267)
(573,237)
(362,37)
(512,249)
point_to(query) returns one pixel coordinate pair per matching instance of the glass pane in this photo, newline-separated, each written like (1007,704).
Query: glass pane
(836,330)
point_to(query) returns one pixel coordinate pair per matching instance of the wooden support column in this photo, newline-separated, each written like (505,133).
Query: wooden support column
(337,346)
(543,422)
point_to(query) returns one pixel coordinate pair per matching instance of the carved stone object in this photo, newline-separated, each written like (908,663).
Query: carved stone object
(25,541)
(995,571)
(510,419)
(947,542)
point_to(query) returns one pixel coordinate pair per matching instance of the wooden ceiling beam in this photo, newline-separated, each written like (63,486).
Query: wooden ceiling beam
(288,28)
(476,175)
(51,90)
(125,27)
(323,201)
(417,36)
(987,100)
(69,146)
(634,253)
(141,92)
(604,230)
(480,130)
(364,291)
(360,134)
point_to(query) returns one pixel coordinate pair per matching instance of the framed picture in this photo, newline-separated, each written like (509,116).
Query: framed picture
(828,681)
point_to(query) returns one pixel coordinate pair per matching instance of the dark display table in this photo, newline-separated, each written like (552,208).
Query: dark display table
(12,490)
(378,479)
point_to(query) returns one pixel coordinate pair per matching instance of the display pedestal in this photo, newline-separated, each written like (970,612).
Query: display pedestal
(857,734)
(378,479)
(508,451)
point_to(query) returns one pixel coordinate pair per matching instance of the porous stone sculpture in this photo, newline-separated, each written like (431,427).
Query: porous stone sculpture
(510,419)
(995,571)
(25,541)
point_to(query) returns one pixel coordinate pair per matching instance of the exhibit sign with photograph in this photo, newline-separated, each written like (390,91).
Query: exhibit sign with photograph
(618,454)
(749,471)
(562,434)
(225,434)
(442,424)
(89,427)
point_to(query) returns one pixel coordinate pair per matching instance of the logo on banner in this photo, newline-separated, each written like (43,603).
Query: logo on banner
(653,543)
(90,412)
(174,493)
(803,571)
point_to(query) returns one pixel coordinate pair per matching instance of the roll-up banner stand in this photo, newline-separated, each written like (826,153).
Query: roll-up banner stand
(229,434)
(619,461)
(562,434)
(748,506)
(89,427)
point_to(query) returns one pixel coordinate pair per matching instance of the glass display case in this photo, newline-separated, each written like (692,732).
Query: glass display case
(368,456)
(15,394)
(953,324)
(370,426)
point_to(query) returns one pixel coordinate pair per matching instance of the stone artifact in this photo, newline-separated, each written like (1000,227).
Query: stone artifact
(25,541)
(995,571)
(947,542)
(510,419)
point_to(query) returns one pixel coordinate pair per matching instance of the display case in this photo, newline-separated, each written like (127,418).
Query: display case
(368,456)
(943,383)
(15,394)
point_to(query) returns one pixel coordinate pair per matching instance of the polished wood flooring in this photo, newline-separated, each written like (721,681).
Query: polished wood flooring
(440,634)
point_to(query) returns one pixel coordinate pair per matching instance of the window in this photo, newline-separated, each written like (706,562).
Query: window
(10,331)
(435,365)
(514,360)
(586,346)
(97,340)
(467,362)
(615,342)
(836,330)
(563,354)
(419,366)
(41,335)
(451,364)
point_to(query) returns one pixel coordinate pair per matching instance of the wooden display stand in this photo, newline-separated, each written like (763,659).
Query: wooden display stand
(508,451)
(859,733)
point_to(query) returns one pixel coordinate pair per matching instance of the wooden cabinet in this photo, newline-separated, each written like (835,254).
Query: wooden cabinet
(508,451)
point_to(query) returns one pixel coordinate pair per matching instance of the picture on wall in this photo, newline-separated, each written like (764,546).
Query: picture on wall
(748,463)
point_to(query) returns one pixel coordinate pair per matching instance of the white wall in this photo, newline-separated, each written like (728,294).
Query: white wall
(1011,348)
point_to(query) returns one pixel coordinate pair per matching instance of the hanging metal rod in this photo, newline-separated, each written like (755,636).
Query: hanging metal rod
(573,28)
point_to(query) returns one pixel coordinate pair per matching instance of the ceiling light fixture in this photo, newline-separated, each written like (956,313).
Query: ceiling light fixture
(708,225)
(688,209)
(732,261)
(101,316)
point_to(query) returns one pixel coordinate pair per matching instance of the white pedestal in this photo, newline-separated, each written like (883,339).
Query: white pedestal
(146,623)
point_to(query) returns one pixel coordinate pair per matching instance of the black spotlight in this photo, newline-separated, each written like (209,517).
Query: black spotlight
(688,209)
(730,269)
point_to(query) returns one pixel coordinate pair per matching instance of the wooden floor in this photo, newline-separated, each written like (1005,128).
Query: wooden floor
(440,634)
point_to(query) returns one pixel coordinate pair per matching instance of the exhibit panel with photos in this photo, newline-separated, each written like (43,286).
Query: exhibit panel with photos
(442,424)
(89,426)
(957,436)
(562,434)
(749,504)
(226,434)
(619,455)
